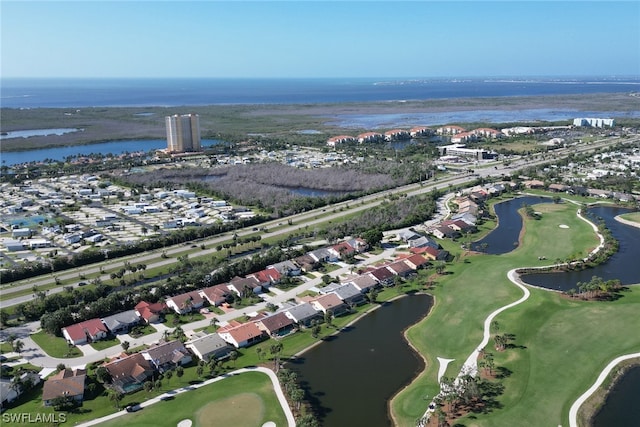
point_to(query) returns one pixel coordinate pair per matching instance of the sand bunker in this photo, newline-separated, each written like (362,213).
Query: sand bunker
(185,423)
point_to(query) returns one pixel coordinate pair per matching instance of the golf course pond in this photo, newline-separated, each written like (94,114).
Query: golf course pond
(351,378)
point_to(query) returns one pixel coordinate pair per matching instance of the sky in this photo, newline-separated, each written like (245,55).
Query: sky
(303,39)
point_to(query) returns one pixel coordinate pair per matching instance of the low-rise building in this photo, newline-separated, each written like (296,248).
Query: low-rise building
(208,346)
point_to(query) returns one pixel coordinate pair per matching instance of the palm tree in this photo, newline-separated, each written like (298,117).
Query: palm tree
(275,350)
(18,346)
(115,397)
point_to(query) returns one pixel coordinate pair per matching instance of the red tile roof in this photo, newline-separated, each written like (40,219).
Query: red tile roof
(80,330)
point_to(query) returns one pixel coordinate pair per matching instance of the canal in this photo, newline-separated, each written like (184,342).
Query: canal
(351,378)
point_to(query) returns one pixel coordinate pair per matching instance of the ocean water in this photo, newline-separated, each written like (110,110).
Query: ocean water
(68,93)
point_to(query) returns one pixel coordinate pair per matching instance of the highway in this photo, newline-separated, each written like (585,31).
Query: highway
(299,221)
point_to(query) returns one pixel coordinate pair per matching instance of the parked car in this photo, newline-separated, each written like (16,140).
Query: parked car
(133,408)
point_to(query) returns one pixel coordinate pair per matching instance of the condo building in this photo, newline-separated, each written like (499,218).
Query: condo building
(183,133)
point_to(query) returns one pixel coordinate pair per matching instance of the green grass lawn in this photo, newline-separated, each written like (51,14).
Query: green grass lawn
(576,338)
(632,216)
(196,404)
(105,344)
(55,346)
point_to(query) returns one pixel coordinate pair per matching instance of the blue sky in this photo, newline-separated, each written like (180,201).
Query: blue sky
(319,39)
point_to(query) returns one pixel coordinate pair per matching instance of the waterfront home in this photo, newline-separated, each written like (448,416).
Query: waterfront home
(167,355)
(382,275)
(275,325)
(329,303)
(121,322)
(150,312)
(208,346)
(303,314)
(349,294)
(185,303)
(364,283)
(129,373)
(400,268)
(83,332)
(241,334)
(66,383)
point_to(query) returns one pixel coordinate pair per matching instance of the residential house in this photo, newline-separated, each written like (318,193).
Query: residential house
(83,332)
(342,250)
(423,241)
(287,268)
(245,285)
(323,255)
(407,235)
(364,283)
(150,312)
(382,275)
(185,303)
(329,303)
(167,355)
(66,383)
(593,192)
(11,389)
(276,325)
(267,277)
(121,322)
(306,262)
(129,373)
(208,346)
(303,314)
(416,261)
(533,183)
(217,294)
(400,268)
(350,295)
(442,232)
(241,334)
(9,392)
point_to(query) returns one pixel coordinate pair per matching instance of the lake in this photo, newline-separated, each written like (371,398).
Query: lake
(351,378)
(504,238)
(112,147)
(622,407)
